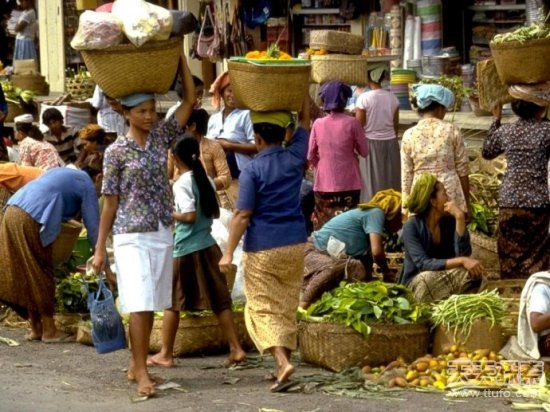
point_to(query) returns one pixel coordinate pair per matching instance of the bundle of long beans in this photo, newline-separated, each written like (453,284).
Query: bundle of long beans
(459,312)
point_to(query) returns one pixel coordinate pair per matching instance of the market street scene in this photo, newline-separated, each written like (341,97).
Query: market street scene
(274,205)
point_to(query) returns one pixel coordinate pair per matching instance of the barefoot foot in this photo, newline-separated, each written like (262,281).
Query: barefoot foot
(235,357)
(158,360)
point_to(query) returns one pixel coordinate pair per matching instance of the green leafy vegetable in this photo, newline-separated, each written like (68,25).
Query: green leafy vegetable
(359,304)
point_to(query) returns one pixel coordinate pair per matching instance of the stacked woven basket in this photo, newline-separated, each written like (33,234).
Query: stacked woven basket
(343,60)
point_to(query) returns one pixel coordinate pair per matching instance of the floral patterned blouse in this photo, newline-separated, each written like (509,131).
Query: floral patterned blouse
(437,147)
(138,176)
(38,154)
(526,144)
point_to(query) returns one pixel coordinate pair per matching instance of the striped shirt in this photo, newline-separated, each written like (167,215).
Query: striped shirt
(67,146)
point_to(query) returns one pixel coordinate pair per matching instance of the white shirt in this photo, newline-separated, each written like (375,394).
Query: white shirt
(379,106)
(539,301)
(184,198)
(107,118)
(237,129)
(29,32)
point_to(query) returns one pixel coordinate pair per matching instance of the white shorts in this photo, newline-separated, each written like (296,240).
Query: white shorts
(144,270)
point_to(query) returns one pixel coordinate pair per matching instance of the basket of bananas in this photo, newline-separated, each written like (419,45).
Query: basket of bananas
(269,80)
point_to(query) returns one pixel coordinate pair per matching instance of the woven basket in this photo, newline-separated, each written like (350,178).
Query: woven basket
(336,41)
(80,89)
(199,334)
(14,110)
(510,291)
(265,88)
(127,69)
(34,82)
(482,336)
(64,244)
(527,62)
(69,322)
(336,347)
(486,242)
(341,67)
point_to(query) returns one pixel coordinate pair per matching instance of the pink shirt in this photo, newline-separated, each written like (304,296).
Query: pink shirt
(380,107)
(334,143)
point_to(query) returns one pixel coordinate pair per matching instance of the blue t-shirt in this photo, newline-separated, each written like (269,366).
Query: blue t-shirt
(270,186)
(190,237)
(353,228)
(56,196)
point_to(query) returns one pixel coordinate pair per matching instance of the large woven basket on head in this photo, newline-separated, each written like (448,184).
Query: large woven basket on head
(265,87)
(126,69)
(510,291)
(336,41)
(64,244)
(337,347)
(526,62)
(198,334)
(342,67)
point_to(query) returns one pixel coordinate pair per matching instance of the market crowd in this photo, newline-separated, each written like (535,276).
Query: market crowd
(314,195)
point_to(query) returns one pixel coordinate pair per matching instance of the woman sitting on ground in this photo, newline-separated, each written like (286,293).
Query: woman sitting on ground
(361,231)
(437,245)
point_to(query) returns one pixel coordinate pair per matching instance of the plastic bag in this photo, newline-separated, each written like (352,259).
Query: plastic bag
(220,233)
(97,31)
(165,20)
(184,22)
(107,330)
(142,21)
(336,248)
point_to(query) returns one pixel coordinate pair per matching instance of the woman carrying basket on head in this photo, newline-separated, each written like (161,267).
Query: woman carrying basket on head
(268,210)
(138,209)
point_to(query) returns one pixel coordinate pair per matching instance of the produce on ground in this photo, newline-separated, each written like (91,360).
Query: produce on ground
(359,304)
(459,312)
(456,368)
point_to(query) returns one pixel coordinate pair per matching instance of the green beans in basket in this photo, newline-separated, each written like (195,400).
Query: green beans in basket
(459,312)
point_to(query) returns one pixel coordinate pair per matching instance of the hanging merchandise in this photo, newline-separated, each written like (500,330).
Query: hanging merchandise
(408,49)
(430,13)
(396,36)
(237,41)
(256,12)
(208,42)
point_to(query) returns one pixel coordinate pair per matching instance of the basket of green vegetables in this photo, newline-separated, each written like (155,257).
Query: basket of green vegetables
(362,323)
(472,321)
(527,44)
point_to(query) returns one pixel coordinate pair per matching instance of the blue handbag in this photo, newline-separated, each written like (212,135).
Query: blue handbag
(107,329)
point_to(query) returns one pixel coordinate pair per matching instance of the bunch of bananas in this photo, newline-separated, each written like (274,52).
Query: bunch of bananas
(16,94)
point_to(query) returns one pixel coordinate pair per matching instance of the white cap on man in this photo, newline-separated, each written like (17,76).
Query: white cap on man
(24,118)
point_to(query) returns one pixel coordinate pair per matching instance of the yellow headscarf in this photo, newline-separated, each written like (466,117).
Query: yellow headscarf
(388,200)
(419,198)
(280,118)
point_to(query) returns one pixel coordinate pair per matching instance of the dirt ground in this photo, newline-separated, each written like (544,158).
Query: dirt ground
(73,377)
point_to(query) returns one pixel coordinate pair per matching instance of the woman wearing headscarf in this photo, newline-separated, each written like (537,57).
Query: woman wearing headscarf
(138,208)
(524,205)
(336,141)
(437,245)
(361,234)
(378,112)
(232,128)
(268,210)
(435,146)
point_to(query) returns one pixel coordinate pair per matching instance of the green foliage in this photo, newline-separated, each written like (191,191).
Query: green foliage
(482,218)
(70,293)
(359,304)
